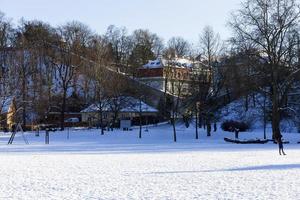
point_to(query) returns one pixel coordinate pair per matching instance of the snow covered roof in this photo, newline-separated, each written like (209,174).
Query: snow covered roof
(94,108)
(158,63)
(125,104)
(177,62)
(135,107)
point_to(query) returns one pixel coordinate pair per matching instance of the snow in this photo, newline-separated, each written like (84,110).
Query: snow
(236,111)
(254,115)
(160,63)
(139,106)
(126,104)
(118,165)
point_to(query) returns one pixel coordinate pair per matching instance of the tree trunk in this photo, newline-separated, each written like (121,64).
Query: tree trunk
(114,120)
(101,122)
(208,130)
(253,99)
(265,118)
(275,114)
(140,115)
(174,129)
(215,127)
(246,103)
(140,131)
(200,120)
(196,126)
(24,101)
(63,108)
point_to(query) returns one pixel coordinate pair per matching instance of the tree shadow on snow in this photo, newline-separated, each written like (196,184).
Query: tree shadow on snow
(250,168)
(267,167)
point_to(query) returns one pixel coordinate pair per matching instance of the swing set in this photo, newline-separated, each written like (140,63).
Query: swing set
(11,122)
(17,128)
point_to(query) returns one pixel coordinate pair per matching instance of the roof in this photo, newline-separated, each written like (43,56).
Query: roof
(136,107)
(158,63)
(125,103)
(177,62)
(94,108)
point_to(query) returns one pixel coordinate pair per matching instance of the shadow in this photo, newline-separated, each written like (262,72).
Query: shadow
(267,167)
(178,172)
(251,168)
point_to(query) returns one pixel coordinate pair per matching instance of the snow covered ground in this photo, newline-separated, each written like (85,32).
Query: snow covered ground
(118,165)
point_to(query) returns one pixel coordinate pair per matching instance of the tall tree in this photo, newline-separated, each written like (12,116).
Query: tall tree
(270,26)
(178,46)
(67,57)
(6,60)
(101,55)
(210,49)
(38,36)
(146,46)
(210,45)
(121,45)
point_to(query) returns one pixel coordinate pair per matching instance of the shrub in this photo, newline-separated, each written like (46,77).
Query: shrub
(230,125)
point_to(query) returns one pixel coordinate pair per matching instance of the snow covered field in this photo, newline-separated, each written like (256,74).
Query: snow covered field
(118,165)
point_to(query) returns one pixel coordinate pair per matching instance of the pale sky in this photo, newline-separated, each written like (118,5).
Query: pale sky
(167,18)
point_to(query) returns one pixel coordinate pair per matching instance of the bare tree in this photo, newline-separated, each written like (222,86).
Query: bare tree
(178,46)
(67,57)
(64,72)
(6,60)
(146,46)
(24,65)
(176,80)
(121,46)
(270,26)
(203,100)
(210,48)
(37,36)
(210,45)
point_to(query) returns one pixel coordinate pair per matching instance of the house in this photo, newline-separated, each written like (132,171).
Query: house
(172,76)
(4,107)
(120,108)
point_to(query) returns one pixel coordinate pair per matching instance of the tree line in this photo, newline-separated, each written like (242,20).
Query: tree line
(69,67)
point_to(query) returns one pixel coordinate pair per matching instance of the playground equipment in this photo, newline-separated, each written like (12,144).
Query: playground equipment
(12,124)
(15,129)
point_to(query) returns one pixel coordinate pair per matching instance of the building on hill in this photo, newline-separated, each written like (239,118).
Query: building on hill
(169,75)
(122,108)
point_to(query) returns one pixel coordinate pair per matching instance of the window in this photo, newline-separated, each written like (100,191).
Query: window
(178,75)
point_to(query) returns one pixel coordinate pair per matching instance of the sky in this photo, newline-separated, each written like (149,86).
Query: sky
(167,18)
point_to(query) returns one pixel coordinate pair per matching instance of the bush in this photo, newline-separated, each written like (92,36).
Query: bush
(231,125)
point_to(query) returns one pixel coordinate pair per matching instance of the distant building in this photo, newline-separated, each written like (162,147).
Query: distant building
(128,108)
(169,75)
